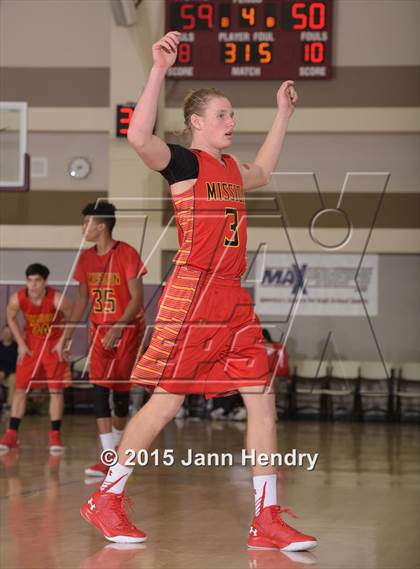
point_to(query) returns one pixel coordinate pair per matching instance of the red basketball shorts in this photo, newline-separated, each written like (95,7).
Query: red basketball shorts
(42,368)
(206,339)
(112,368)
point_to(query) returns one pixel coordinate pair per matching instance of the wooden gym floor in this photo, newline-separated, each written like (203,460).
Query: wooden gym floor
(361,500)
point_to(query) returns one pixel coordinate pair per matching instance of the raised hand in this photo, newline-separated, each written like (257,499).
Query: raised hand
(287,98)
(165,50)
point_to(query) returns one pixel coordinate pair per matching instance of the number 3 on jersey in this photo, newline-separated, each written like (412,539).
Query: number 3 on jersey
(233,239)
(104,300)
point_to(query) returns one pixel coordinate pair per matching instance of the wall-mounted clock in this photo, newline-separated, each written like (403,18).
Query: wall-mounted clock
(79,168)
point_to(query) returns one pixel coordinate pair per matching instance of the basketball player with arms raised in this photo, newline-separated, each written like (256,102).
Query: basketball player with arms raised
(207,338)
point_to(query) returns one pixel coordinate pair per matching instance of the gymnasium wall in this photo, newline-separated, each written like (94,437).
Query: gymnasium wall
(396,326)
(365,119)
(72,87)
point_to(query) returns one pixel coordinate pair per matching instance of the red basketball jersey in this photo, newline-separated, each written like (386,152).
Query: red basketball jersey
(38,319)
(211,218)
(107,279)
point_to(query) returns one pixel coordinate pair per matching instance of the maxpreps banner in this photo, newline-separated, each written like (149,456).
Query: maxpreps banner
(325,284)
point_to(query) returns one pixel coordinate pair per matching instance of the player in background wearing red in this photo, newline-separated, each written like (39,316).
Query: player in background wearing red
(207,189)
(43,309)
(110,276)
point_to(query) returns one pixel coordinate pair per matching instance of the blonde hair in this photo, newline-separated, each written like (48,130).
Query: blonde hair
(195,103)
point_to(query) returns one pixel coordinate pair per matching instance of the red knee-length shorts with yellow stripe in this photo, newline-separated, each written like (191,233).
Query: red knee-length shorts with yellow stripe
(206,339)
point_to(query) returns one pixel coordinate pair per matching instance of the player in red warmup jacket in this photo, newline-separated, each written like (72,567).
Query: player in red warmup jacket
(43,309)
(110,277)
(207,338)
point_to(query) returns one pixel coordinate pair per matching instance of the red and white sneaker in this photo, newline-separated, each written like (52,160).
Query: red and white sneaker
(98,469)
(55,442)
(106,511)
(9,440)
(270,531)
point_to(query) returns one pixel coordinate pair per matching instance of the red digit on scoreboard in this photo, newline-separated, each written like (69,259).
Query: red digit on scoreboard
(317,16)
(298,15)
(205,12)
(125,120)
(186,15)
(184,53)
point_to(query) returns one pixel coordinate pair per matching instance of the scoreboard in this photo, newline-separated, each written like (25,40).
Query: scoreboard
(251,39)
(124,114)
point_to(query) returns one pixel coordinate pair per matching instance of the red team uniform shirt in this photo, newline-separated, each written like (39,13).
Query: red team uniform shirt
(207,338)
(41,335)
(106,277)
(211,219)
(39,319)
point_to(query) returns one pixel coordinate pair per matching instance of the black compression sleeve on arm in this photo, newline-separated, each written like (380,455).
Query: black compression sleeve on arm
(183,165)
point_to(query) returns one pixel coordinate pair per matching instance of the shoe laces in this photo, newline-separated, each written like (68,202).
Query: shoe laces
(278,510)
(127,500)
(118,506)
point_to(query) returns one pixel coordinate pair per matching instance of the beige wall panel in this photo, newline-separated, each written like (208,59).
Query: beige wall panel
(60,148)
(381,241)
(318,120)
(349,87)
(128,177)
(68,237)
(356,40)
(131,52)
(69,119)
(130,64)
(55,33)
(332,155)
(249,120)
(376,32)
(56,86)
(39,236)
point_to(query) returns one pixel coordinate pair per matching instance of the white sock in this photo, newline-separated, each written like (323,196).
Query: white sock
(117,434)
(265,491)
(107,440)
(116,478)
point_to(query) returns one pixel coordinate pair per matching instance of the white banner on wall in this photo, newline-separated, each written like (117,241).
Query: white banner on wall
(325,283)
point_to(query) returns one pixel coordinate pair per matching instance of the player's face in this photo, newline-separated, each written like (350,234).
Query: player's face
(91,229)
(217,123)
(36,286)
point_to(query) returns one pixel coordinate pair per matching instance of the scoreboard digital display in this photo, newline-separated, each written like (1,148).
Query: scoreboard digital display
(124,114)
(251,39)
